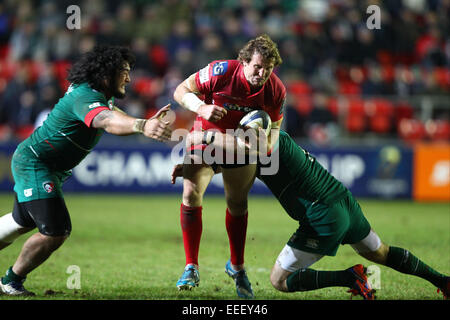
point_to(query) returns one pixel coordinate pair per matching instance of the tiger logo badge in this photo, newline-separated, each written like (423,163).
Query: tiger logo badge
(48,186)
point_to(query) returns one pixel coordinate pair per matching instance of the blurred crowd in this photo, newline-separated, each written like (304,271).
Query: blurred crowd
(343,79)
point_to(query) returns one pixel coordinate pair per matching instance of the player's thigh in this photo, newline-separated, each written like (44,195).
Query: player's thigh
(322,230)
(238,181)
(49,215)
(288,261)
(359,227)
(292,259)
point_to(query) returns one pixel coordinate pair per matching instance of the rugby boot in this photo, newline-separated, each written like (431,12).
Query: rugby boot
(243,285)
(361,286)
(14,288)
(445,290)
(189,279)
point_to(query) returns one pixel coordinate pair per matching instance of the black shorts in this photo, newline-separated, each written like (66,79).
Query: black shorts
(50,216)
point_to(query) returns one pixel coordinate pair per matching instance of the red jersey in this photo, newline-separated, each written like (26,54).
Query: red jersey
(223,83)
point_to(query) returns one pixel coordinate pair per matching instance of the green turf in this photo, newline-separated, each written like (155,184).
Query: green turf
(130,247)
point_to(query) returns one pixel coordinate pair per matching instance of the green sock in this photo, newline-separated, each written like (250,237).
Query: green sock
(11,276)
(309,279)
(404,261)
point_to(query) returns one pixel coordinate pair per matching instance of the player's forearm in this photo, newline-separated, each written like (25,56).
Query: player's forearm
(118,123)
(274,134)
(226,142)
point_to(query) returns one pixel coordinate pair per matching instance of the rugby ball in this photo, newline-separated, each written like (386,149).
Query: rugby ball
(257,119)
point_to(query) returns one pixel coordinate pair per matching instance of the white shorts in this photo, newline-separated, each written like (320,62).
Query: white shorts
(369,244)
(291,259)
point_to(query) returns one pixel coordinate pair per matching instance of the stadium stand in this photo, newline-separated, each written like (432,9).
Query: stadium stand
(388,82)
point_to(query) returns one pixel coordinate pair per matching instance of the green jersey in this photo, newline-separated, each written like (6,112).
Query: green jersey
(66,136)
(300,174)
(328,214)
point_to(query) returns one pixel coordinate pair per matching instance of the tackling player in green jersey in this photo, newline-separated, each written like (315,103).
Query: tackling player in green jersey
(328,216)
(42,162)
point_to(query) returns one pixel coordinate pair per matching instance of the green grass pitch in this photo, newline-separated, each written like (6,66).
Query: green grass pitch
(130,247)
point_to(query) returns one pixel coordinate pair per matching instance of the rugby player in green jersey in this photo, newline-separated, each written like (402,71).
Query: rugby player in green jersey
(42,162)
(328,216)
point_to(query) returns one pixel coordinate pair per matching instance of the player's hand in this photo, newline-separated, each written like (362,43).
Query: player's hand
(177,171)
(255,141)
(211,112)
(157,128)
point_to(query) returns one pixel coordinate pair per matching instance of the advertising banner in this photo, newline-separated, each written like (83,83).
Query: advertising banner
(432,172)
(380,172)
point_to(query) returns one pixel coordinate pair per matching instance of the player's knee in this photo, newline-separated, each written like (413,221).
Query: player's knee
(10,230)
(52,243)
(278,283)
(377,256)
(236,206)
(372,248)
(380,255)
(192,198)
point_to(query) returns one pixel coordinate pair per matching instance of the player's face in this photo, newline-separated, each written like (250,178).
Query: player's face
(122,79)
(257,71)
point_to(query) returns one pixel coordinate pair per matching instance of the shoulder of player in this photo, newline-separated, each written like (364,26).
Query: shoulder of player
(84,94)
(275,90)
(219,72)
(223,67)
(81,89)
(276,83)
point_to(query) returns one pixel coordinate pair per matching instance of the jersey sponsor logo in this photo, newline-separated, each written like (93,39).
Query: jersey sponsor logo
(94,105)
(235,107)
(220,68)
(28,192)
(48,186)
(203,75)
(227,96)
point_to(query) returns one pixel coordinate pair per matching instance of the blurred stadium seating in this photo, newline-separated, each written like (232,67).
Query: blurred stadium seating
(392,82)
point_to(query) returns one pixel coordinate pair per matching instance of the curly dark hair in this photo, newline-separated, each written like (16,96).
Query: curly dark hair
(103,62)
(264,46)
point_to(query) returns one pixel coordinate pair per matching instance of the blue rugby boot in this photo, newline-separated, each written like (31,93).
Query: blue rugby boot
(243,285)
(189,279)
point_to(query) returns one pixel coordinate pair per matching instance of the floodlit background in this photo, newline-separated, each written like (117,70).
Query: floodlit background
(382,91)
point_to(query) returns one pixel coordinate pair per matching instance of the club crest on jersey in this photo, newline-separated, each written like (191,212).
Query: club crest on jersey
(219,68)
(48,186)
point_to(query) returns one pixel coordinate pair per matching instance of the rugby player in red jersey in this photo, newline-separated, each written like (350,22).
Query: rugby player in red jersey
(221,94)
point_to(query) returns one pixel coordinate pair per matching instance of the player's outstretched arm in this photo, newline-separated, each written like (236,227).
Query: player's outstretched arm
(121,124)
(186,95)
